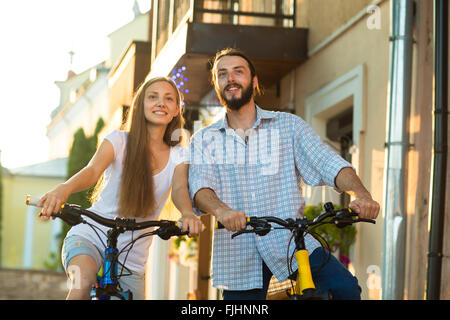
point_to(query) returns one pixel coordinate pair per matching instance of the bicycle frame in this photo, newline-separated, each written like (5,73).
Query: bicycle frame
(304,288)
(107,282)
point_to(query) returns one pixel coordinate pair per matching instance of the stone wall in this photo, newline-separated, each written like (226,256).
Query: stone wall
(18,284)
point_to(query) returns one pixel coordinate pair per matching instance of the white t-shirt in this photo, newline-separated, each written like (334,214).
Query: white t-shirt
(107,203)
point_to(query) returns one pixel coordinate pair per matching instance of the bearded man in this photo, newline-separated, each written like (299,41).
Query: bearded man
(230,180)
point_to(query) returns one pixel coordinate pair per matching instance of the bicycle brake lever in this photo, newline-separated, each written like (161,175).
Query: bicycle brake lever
(240,232)
(342,223)
(259,230)
(168,230)
(70,215)
(365,220)
(262,231)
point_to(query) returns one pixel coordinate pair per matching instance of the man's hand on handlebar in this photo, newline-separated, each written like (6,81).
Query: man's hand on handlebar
(366,208)
(231,219)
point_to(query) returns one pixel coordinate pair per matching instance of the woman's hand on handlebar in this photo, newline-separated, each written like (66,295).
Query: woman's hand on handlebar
(191,223)
(52,201)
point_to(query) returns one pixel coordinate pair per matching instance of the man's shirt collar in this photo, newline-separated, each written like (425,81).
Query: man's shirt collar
(261,114)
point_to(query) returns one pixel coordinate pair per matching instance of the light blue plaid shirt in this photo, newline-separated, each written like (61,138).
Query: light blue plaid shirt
(260,175)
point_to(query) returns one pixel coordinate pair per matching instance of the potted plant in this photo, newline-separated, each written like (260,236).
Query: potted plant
(184,251)
(339,240)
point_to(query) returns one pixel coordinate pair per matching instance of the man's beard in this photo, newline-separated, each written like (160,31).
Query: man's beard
(236,103)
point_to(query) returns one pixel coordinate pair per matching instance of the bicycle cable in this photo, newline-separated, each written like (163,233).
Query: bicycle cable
(289,262)
(94,227)
(290,258)
(123,267)
(326,247)
(116,259)
(127,250)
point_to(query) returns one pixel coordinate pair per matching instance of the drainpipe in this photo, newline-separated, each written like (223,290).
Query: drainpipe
(397,145)
(439,161)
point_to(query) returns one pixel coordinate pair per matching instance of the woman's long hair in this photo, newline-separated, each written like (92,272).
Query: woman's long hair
(137,198)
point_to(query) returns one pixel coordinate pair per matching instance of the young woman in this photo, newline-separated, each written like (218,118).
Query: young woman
(140,165)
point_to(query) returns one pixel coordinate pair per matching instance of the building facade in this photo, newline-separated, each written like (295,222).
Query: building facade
(27,242)
(332,63)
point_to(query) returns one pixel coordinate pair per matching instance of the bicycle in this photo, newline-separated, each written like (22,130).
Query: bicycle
(107,284)
(304,288)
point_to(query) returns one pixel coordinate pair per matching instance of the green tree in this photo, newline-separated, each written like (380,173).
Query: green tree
(81,152)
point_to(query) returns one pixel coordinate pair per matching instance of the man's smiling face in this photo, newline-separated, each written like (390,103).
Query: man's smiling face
(234,84)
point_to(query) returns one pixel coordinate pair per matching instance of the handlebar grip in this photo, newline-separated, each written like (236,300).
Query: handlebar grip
(32,201)
(219,225)
(180,225)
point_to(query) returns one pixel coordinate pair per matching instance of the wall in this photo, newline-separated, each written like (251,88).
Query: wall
(124,79)
(120,38)
(84,112)
(32,285)
(15,189)
(323,17)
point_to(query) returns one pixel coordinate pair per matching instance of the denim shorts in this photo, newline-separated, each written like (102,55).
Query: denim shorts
(75,245)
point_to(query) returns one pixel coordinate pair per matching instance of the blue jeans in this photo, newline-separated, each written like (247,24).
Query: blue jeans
(332,276)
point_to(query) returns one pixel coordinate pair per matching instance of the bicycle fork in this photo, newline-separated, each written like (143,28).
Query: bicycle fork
(107,281)
(304,287)
(304,276)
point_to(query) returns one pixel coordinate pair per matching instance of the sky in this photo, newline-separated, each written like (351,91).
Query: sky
(36,38)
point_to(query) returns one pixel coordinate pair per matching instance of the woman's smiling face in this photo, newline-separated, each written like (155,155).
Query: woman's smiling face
(160,103)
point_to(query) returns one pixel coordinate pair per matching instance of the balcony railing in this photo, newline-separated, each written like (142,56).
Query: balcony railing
(170,14)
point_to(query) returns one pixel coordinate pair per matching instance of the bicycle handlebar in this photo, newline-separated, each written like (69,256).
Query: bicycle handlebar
(72,215)
(341,218)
